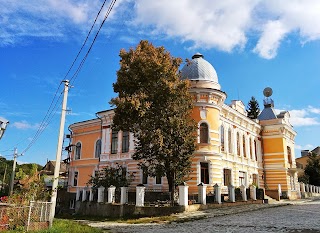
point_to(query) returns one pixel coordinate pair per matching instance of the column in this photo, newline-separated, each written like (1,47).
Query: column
(91,195)
(231,193)
(111,194)
(202,193)
(78,194)
(253,192)
(140,192)
(101,194)
(244,192)
(124,195)
(217,193)
(183,195)
(84,194)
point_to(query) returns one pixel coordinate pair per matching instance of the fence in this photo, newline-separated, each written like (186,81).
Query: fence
(33,217)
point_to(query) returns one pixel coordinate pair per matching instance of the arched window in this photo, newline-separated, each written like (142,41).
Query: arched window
(78,151)
(222,138)
(98,149)
(238,143)
(244,146)
(114,142)
(229,141)
(289,155)
(204,133)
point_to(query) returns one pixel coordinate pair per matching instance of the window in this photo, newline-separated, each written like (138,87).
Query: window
(226,177)
(98,149)
(158,179)
(78,151)
(222,138)
(255,179)
(125,142)
(255,149)
(238,143)
(250,148)
(144,176)
(114,142)
(242,178)
(289,155)
(244,146)
(204,136)
(229,141)
(75,178)
(204,173)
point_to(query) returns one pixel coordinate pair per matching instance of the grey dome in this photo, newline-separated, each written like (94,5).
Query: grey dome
(198,69)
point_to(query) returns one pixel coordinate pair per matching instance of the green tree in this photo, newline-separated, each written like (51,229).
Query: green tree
(253,109)
(312,170)
(155,104)
(116,176)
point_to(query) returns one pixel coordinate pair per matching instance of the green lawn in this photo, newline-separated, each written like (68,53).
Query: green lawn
(65,226)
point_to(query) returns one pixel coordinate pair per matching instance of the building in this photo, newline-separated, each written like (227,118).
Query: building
(232,149)
(303,160)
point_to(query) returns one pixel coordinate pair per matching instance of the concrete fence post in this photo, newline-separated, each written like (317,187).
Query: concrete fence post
(217,193)
(101,194)
(124,195)
(253,192)
(231,193)
(78,194)
(111,194)
(202,193)
(183,194)
(140,193)
(84,194)
(90,194)
(244,192)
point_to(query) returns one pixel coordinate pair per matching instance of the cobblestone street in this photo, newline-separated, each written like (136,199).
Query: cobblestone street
(297,217)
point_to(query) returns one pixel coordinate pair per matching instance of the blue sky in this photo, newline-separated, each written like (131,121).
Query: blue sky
(252,44)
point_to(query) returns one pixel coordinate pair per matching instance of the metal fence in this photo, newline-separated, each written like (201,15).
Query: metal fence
(36,216)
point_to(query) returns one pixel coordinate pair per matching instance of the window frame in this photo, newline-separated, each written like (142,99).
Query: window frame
(222,141)
(114,142)
(75,178)
(204,132)
(77,153)
(97,151)
(227,176)
(125,142)
(204,173)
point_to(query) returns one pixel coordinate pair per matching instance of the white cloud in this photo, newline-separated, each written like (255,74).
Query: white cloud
(304,147)
(313,109)
(303,117)
(25,125)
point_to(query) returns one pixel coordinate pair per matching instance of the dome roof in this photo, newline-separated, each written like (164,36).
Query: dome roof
(198,69)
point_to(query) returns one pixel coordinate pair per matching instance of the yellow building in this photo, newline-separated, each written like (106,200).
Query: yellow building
(231,148)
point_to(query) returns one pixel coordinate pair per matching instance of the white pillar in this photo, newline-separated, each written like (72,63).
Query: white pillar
(244,192)
(111,194)
(231,193)
(91,195)
(84,194)
(124,195)
(78,194)
(217,193)
(307,188)
(101,194)
(183,195)
(202,193)
(140,192)
(253,192)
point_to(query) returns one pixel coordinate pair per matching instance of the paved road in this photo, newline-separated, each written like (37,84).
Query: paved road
(302,217)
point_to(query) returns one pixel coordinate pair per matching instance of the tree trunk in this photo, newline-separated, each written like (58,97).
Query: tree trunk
(171,181)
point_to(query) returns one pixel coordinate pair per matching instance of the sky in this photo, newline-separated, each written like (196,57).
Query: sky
(252,44)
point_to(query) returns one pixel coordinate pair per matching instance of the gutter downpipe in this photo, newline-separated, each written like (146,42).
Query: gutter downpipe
(97,115)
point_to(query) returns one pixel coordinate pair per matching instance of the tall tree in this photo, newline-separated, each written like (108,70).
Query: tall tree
(312,169)
(253,109)
(155,105)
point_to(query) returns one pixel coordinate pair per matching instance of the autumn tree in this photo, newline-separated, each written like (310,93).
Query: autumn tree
(253,109)
(155,104)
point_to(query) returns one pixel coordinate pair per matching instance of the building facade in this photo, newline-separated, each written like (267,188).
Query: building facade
(232,149)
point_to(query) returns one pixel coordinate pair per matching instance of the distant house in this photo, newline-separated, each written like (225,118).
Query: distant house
(3,126)
(305,154)
(48,172)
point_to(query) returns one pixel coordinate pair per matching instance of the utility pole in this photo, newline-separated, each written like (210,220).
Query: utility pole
(4,177)
(13,174)
(59,152)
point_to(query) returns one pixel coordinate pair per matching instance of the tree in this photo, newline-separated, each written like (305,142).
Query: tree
(253,109)
(156,106)
(312,170)
(116,176)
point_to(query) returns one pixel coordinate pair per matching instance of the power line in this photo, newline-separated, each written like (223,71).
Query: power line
(50,112)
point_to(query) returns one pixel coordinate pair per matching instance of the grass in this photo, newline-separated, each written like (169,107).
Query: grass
(64,226)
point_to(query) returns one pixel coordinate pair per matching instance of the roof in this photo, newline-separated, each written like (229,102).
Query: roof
(198,69)
(267,113)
